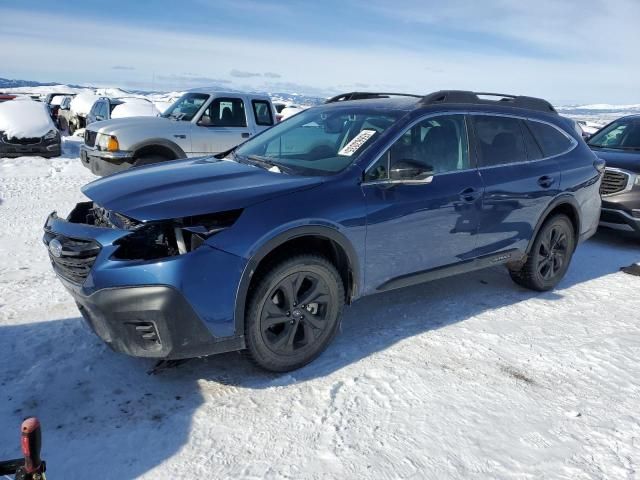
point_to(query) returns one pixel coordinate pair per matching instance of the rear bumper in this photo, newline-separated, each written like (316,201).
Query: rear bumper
(150,321)
(104,163)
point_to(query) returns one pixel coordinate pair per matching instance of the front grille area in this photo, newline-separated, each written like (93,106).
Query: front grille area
(613,181)
(22,141)
(90,138)
(76,257)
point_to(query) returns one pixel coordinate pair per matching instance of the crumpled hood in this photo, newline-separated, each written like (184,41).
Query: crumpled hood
(625,159)
(189,187)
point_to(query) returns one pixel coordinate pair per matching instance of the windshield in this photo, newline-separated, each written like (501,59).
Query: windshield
(621,134)
(319,141)
(186,106)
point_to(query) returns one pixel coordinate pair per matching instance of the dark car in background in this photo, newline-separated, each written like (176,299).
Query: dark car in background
(260,247)
(618,144)
(27,129)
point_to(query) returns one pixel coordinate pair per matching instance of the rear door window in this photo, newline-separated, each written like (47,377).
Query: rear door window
(552,141)
(499,140)
(262,112)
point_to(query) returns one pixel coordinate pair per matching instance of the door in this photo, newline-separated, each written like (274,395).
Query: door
(423,199)
(221,126)
(262,114)
(519,182)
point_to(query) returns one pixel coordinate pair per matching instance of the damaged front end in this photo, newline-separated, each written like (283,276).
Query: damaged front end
(149,289)
(154,239)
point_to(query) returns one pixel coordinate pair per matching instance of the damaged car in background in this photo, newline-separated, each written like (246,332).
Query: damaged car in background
(261,248)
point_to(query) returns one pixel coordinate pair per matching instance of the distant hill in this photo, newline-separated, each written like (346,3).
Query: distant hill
(15,83)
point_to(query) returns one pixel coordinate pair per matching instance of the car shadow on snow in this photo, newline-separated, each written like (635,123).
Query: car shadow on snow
(99,406)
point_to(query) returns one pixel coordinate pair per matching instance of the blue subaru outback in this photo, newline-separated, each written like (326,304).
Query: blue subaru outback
(260,248)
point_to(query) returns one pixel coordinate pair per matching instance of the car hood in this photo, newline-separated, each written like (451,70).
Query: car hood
(196,186)
(131,130)
(116,124)
(625,159)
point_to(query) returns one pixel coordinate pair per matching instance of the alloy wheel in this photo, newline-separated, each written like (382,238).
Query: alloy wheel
(295,312)
(552,252)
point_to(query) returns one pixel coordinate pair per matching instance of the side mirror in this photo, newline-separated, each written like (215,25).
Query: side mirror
(410,170)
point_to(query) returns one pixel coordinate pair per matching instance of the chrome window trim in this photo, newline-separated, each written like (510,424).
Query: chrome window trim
(631,179)
(466,113)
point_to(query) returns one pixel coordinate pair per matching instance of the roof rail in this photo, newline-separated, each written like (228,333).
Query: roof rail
(476,98)
(343,97)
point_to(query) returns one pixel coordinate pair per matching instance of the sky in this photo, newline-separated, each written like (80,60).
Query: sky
(567,51)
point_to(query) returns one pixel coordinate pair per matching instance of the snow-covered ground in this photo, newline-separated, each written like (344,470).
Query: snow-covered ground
(468,377)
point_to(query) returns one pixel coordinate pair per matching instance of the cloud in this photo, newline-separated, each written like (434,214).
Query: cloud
(597,60)
(122,67)
(243,74)
(188,80)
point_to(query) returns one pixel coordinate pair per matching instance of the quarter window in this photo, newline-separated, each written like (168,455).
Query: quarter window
(499,140)
(550,139)
(262,112)
(534,152)
(435,145)
(224,112)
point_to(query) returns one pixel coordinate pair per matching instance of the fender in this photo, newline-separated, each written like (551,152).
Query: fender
(162,142)
(563,198)
(267,247)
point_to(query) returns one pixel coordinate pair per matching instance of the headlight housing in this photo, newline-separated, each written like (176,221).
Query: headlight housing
(51,135)
(155,240)
(108,143)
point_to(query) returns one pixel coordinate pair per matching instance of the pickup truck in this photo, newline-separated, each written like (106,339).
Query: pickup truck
(201,122)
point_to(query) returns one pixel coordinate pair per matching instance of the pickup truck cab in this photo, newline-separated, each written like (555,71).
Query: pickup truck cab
(201,122)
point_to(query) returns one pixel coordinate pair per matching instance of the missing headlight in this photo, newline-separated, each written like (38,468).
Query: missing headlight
(172,237)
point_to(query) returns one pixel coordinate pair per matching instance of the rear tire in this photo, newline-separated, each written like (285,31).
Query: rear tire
(293,313)
(549,259)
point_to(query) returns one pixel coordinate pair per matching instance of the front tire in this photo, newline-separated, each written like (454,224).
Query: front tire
(294,312)
(549,259)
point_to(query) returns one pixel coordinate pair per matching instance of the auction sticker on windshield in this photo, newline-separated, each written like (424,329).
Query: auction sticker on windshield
(354,145)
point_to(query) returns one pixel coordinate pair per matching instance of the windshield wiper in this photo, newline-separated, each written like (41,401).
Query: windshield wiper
(268,163)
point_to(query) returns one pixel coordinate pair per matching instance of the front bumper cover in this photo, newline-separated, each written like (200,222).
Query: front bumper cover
(41,149)
(152,321)
(104,163)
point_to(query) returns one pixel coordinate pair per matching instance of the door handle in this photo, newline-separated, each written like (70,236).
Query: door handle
(469,195)
(546,181)
(246,135)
